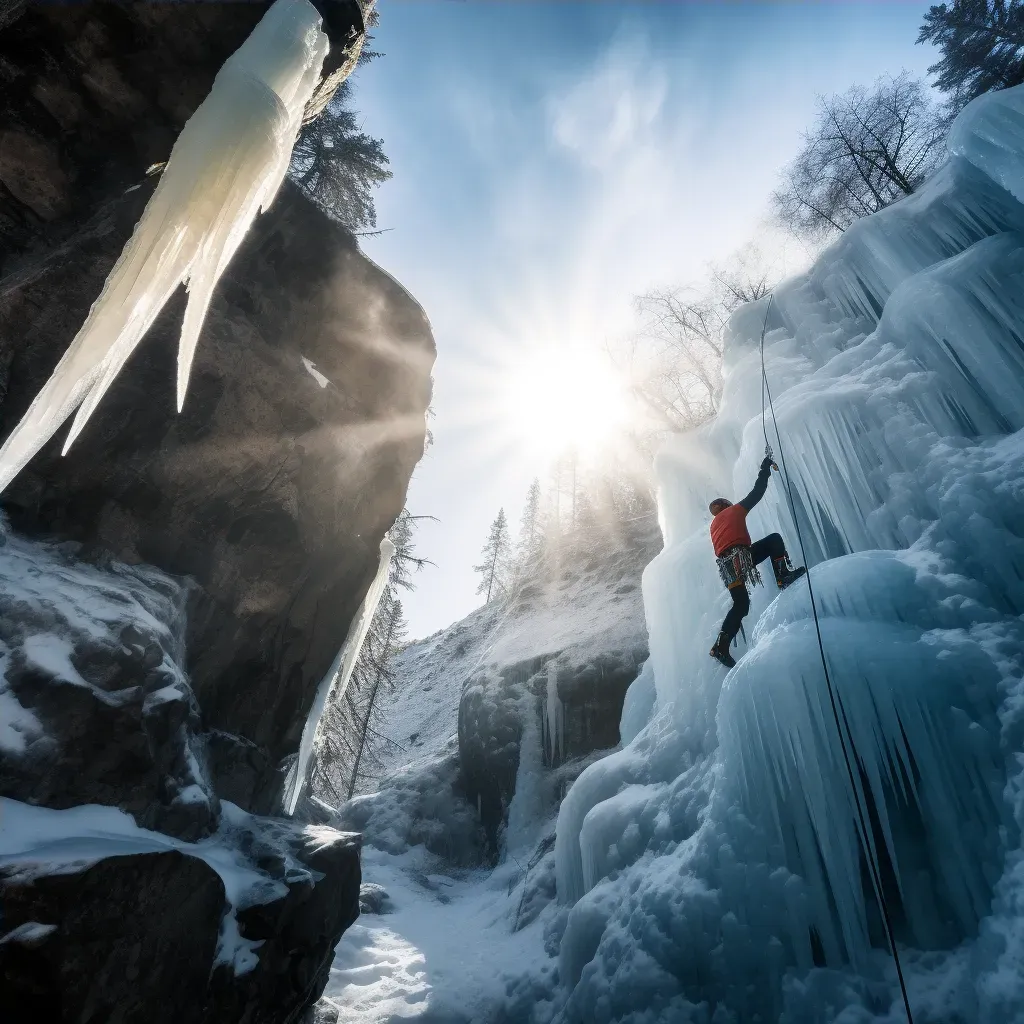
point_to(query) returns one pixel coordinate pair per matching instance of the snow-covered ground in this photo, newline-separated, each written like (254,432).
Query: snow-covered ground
(454,941)
(444,951)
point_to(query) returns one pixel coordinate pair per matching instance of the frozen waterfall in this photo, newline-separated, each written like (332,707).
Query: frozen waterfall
(226,166)
(713,867)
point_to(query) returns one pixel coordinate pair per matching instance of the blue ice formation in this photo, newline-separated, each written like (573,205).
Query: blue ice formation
(713,866)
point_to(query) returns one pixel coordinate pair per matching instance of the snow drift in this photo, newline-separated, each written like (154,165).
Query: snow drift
(713,866)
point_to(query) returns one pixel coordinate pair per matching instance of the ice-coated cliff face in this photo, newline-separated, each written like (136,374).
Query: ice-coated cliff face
(714,866)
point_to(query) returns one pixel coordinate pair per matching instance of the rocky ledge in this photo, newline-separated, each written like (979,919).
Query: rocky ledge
(129,889)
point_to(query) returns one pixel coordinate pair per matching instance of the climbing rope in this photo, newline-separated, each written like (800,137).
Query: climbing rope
(834,699)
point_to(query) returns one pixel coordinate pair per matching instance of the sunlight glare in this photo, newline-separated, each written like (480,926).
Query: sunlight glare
(562,400)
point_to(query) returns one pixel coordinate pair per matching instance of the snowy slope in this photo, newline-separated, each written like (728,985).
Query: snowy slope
(456,936)
(575,616)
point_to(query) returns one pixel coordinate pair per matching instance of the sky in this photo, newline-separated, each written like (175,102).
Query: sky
(553,160)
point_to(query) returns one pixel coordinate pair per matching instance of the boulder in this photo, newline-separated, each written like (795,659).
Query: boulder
(149,936)
(83,947)
(95,707)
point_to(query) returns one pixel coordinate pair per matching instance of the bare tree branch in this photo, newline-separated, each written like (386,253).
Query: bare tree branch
(865,150)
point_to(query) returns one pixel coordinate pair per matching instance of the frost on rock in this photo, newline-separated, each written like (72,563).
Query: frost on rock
(713,867)
(225,167)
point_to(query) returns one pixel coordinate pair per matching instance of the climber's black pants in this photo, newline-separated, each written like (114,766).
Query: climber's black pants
(771,546)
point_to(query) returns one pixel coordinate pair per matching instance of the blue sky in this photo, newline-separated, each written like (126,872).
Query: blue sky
(551,160)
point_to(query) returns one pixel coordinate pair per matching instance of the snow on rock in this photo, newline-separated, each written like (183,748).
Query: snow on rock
(225,167)
(315,373)
(123,875)
(239,924)
(712,869)
(576,616)
(40,841)
(96,704)
(420,805)
(548,668)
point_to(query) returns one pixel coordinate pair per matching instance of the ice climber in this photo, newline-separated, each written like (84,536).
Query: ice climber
(738,558)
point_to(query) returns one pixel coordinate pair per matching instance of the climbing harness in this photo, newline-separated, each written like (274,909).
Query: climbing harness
(845,738)
(736,567)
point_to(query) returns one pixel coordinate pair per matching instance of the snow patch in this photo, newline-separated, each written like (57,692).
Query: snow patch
(315,373)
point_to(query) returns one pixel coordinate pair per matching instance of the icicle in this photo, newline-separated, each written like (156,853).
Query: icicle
(226,165)
(554,716)
(338,675)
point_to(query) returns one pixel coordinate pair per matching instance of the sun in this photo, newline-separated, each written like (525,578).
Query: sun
(562,400)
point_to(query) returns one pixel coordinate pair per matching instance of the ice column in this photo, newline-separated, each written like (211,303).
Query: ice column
(338,675)
(554,717)
(226,165)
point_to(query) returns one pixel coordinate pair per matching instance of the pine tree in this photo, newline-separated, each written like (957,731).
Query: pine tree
(982,46)
(531,534)
(494,567)
(377,682)
(338,165)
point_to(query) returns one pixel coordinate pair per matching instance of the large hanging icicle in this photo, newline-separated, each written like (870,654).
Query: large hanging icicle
(338,675)
(226,165)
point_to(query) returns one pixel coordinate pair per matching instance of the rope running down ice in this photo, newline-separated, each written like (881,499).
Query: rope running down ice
(834,699)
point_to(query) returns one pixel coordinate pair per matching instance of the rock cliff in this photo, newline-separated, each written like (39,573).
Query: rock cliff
(175,588)
(304,417)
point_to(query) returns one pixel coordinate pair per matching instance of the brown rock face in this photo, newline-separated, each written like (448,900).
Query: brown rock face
(274,486)
(93,93)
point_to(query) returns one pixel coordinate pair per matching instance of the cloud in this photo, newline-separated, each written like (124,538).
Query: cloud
(613,107)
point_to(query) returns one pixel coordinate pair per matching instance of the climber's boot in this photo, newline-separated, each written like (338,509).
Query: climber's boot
(720,652)
(785,573)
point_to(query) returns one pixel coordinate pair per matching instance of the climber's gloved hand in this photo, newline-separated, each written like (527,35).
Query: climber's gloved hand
(766,465)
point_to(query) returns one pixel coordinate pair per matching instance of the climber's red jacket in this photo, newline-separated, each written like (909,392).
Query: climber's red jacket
(729,527)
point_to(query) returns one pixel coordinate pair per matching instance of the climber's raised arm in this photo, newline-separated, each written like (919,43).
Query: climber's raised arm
(760,485)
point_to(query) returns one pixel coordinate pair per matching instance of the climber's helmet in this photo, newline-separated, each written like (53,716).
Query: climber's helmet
(718,505)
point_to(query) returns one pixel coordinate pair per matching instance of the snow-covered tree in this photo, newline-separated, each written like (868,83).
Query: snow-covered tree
(982,47)
(494,566)
(866,149)
(531,536)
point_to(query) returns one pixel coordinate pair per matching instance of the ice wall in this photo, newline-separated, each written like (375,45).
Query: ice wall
(225,167)
(713,866)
